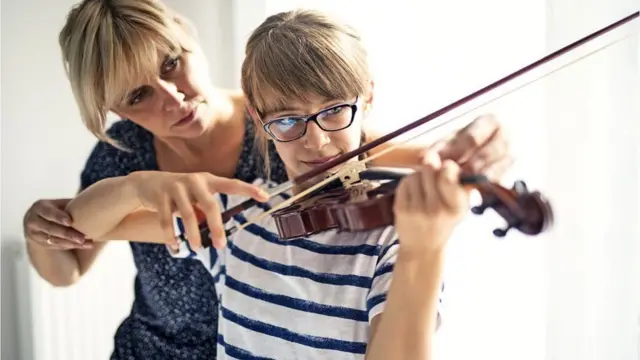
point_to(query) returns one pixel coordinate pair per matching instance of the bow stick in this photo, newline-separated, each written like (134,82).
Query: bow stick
(352,169)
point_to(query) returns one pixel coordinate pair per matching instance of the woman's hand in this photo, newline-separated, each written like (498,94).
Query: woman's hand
(168,193)
(48,225)
(429,204)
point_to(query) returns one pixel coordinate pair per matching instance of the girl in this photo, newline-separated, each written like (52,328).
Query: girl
(331,295)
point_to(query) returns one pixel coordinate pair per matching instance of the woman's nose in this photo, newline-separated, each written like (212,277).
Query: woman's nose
(172,97)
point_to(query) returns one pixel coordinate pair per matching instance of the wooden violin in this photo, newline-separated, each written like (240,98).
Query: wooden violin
(356,198)
(365,206)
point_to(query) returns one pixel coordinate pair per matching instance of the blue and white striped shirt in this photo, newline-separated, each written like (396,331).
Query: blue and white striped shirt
(306,298)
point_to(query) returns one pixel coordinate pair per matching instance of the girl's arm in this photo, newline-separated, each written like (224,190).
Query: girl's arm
(406,328)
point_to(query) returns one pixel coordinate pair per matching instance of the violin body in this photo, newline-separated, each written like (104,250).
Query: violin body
(359,207)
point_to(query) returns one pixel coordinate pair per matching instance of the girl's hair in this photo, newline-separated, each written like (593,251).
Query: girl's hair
(298,53)
(109,45)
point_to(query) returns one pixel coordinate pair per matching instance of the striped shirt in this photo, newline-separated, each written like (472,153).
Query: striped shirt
(306,298)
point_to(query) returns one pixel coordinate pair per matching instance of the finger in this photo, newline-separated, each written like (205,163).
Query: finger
(429,190)
(469,138)
(403,194)
(39,224)
(493,150)
(207,203)
(496,170)
(51,212)
(165,216)
(431,158)
(452,194)
(416,196)
(184,204)
(237,187)
(54,242)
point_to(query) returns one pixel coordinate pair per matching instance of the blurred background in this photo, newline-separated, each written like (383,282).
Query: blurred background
(570,294)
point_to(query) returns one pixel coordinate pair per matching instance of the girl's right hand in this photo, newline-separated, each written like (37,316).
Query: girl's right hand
(169,193)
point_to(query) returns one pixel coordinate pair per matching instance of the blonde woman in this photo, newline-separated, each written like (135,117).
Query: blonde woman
(141,60)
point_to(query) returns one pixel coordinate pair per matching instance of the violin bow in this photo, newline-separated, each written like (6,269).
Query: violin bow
(355,167)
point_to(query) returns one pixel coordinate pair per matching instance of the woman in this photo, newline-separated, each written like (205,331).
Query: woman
(329,295)
(176,121)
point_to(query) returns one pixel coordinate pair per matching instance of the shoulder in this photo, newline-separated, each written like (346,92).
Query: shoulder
(107,160)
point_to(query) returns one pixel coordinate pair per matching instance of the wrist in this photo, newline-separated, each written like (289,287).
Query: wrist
(132,183)
(421,256)
(427,242)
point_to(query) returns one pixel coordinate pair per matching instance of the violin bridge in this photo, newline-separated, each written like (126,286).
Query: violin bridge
(350,173)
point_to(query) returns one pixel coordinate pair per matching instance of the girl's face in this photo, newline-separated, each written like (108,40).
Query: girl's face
(307,134)
(175,103)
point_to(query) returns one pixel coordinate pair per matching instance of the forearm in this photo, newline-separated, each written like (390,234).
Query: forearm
(410,317)
(101,207)
(58,267)
(404,156)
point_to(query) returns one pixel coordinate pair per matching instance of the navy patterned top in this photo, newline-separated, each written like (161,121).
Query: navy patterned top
(175,312)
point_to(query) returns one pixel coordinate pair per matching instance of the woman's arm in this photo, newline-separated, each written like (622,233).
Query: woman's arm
(101,207)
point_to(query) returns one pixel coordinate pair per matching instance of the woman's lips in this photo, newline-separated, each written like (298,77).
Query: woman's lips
(187,119)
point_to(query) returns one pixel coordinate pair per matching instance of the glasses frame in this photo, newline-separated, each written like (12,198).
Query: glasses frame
(314,118)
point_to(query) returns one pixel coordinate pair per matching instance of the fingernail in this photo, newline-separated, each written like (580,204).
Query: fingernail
(66,221)
(86,246)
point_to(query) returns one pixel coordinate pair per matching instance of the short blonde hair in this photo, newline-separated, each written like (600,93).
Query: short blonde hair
(108,45)
(298,53)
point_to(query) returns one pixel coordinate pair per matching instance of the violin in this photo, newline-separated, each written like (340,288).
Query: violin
(357,198)
(364,206)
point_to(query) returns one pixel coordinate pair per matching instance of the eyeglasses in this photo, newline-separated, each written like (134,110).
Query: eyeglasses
(290,128)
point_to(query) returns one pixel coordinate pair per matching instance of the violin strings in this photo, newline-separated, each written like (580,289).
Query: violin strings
(289,184)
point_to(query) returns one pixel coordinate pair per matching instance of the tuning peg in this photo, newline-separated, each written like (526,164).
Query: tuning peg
(480,209)
(520,187)
(501,232)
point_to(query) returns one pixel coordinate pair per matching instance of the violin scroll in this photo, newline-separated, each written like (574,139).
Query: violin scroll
(526,211)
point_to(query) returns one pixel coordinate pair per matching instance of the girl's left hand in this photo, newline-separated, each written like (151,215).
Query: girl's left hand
(430,202)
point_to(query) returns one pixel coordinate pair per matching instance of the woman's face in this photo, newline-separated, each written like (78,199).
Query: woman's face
(301,153)
(175,103)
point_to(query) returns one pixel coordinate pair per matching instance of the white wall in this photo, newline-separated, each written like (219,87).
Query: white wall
(567,295)
(593,131)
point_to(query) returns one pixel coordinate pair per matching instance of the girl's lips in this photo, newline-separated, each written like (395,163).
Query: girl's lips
(320,160)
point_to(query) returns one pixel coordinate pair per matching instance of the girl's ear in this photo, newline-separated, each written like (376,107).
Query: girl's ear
(368,99)
(258,123)
(253,114)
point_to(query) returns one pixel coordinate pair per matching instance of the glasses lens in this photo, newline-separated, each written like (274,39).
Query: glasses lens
(286,129)
(332,119)
(336,118)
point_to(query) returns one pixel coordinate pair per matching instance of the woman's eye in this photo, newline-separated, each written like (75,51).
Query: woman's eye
(170,65)
(137,96)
